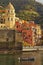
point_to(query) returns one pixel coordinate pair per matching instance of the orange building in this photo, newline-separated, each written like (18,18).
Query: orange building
(18,26)
(28,31)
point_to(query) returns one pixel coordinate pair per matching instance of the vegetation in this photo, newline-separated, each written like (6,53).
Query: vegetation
(27,15)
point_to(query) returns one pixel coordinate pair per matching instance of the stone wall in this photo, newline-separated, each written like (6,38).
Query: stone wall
(7,39)
(7,35)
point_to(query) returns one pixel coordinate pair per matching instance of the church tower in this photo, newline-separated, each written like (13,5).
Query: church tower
(10,16)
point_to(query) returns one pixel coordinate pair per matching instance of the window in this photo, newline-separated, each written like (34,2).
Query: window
(8,11)
(2,21)
(7,39)
(28,28)
(11,19)
(29,36)
(8,19)
(1,26)
(17,26)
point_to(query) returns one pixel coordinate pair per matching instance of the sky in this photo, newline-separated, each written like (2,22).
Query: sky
(41,1)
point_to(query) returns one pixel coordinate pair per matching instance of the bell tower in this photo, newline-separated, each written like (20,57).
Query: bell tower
(10,16)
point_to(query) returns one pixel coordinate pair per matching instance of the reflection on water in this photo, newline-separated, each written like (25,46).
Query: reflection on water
(41,58)
(6,59)
(12,59)
(13,56)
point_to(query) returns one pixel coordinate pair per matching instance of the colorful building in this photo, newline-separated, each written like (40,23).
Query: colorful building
(29,31)
(8,18)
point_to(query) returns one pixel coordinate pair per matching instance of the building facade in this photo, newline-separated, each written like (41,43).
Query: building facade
(30,32)
(7,20)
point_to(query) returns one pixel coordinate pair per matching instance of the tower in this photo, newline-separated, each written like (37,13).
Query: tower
(10,16)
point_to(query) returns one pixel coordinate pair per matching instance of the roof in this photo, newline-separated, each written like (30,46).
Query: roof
(10,6)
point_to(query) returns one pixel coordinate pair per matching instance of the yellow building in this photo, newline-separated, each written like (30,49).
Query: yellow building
(38,35)
(38,32)
(8,18)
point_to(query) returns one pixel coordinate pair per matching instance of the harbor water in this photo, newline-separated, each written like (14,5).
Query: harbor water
(22,58)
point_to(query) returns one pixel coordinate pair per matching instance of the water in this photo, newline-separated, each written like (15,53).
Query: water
(12,59)
(6,59)
(12,56)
